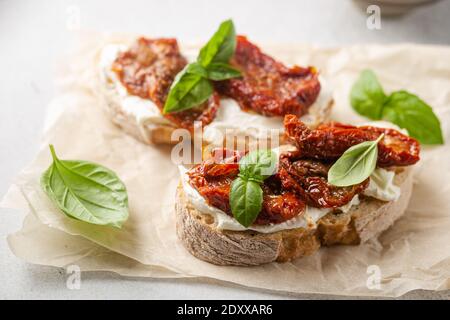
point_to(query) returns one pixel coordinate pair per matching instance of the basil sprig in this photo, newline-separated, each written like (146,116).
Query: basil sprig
(400,107)
(355,165)
(193,86)
(220,48)
(246,195)
(410,112)
(367,96)
(86,191)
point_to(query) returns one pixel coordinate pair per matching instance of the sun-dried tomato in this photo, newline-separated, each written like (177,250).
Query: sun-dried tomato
(279,205)
(330,141)
(222,163)
(267,86)
(148,68)
(308,178)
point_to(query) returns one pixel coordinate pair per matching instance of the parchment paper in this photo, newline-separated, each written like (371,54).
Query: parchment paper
(413,254)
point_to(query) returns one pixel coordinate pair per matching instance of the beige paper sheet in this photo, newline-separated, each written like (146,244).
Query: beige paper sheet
(414,254)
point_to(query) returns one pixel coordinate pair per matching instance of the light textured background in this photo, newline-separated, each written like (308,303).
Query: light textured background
(33,34)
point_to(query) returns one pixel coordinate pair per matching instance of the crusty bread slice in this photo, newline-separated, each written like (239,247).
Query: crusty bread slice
(151,133)
(367,220)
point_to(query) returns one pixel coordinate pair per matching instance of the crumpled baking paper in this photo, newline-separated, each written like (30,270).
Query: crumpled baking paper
(413,254)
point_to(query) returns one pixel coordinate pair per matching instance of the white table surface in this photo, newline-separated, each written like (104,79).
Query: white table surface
(34,33)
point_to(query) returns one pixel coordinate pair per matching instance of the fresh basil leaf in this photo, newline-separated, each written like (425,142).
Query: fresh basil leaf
(401,108)
(218,71)
(246,199)
(191,86)
(367,96)
(220,48)
(246,195)
(198,69)
(86,191)
(413,114)
(258,165)
(188,90)
(355,165)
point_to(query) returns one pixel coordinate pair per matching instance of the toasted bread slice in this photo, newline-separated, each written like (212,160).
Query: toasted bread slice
(367,220)
(159,131)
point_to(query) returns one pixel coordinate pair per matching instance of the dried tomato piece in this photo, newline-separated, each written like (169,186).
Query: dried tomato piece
(213,178)
(308,178)
(278,205)
(267,86)
(222,163)
(330,141)
(396,149)
(148,68)
(216,192)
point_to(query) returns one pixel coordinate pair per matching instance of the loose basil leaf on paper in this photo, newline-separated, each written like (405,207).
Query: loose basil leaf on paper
(411,113)
(355,165)
(402,108)
(188,90)
(367,96)
(221,46)
(86,191)
(218,71)
(246,199)
(258,165)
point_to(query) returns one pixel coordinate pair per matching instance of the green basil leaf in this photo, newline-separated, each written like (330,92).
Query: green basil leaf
(367,96)
(258,165)
(413,114)
(246,195)
(218,71)
(86,191)
(355,165)
(246,199)
(188,90)
(198,69)
(191,87)
(220,47)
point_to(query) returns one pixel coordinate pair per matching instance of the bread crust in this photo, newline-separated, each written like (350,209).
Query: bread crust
(367,220)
